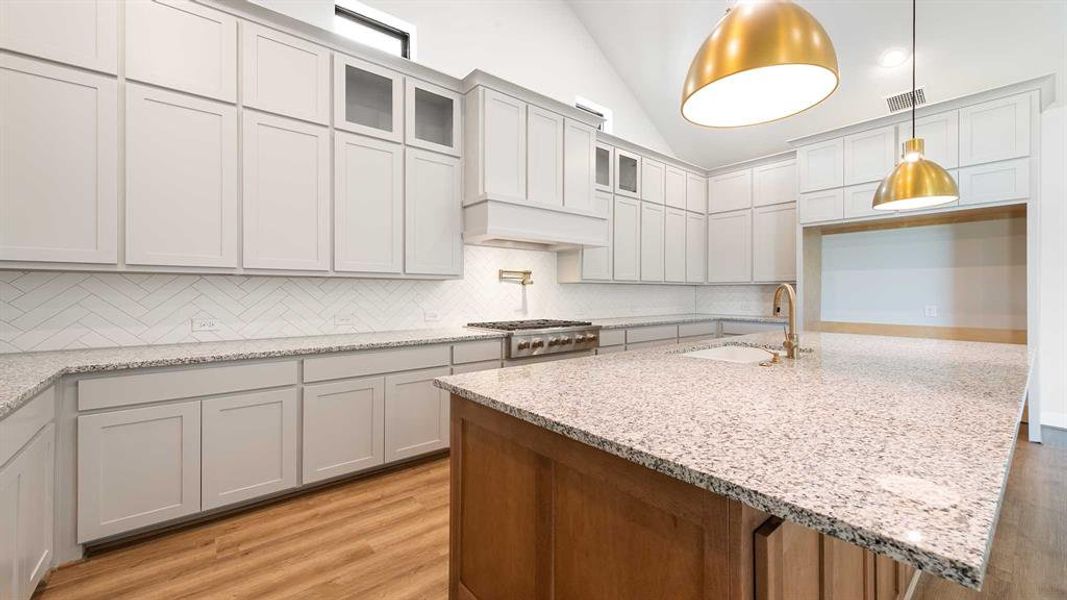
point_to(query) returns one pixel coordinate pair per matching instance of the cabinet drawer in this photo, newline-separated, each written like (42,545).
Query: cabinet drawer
(476,351)
(648,334)
(651,344)
(822,206)
(370,363)
(20,426)
(692,329)
(612,337)
(109,392)
(611,350)
(476,366)
(746,327)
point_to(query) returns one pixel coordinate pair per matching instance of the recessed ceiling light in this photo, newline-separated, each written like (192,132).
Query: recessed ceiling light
(893,57)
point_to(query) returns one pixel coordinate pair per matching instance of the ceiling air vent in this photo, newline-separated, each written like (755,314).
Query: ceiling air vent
(903,101)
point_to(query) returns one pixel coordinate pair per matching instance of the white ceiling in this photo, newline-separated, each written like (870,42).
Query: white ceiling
(964,46)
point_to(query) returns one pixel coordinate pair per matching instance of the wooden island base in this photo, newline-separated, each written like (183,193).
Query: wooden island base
(535,515)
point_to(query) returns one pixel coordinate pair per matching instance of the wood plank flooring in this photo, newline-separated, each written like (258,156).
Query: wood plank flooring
(386,537)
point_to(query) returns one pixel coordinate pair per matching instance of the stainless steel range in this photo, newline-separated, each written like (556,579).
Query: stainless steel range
(545,339)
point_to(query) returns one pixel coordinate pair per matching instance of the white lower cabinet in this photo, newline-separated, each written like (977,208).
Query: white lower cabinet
(730,247)
(343,427)
(774,243)
(26,517)
(626,242)
(249,446)
(674,245)
(416,414)
(368,204)
(137,467)
(434,218)
(696,244)
(651,242)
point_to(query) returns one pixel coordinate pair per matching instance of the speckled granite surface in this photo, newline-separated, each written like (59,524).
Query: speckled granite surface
(23,375)
(899,445)
(623,322)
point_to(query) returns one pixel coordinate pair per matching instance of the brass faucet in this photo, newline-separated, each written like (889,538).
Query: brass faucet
(792,340)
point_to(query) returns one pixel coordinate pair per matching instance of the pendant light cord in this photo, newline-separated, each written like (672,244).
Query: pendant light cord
(913,99)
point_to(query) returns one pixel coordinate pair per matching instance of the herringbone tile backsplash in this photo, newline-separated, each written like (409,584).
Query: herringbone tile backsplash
(48,310)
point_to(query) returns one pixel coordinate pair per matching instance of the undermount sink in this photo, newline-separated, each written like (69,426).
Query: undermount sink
(733,354)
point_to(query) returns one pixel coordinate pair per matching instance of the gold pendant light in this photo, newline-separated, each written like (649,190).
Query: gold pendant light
(765,60)
(916,182)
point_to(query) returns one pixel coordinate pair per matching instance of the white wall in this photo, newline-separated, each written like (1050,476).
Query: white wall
(974,273)
(1052,344)
(538,44)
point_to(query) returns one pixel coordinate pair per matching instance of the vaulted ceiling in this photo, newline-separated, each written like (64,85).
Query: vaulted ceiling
(965,46)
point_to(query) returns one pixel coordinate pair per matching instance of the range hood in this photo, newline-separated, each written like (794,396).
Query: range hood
(504,222)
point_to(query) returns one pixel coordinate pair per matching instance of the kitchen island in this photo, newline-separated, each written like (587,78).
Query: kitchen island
(654,474)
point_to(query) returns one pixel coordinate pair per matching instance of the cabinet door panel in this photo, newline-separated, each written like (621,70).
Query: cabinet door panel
(627,173)
(674,187)
(55,120)
(416,414)
(870,155)
(596,260)
(696,193)
(9,519)
(26,516)
(996,182)
(858,199)
(579,156)
(434,232)
(730,191)
(503,145)
(941,137)
(137,467)
(696,244)
(774,183)
(77,32)
(730,247)
(283,74)
(181,180)
(249,446)
(653,181)
(605,167)
(286,181)
(183,46)
(996,130)
(674,245)
(343,427)
(626,245)
(774,243)
(821,166)
(651,242)
(368,205)
(544,156)
(432,118)
(826,205)
(367,99)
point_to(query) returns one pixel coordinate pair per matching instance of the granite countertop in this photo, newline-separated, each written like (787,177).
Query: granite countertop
(624,322)
(24,375)
(899,445)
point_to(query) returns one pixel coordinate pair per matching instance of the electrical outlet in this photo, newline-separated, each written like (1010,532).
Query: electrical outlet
(431,316)
(347,320)
(930,310)
(205,324)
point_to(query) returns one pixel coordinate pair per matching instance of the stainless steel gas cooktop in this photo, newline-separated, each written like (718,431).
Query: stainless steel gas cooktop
(539,337)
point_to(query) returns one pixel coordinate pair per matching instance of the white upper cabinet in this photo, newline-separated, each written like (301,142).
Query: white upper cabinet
(77,32)
(774,243)
(996,130)
(605,168)
(995,182)
(775,183)
(651,242)
(434,228)
(652,181)
(58,163)
(730,247)
(283,74)
(674,245)
(416,414)
(825,205)
(181,180)
(870,155)
(368,99)
(730,191)
(544,156)
(368,204)
(286,183)
(696,193)
(344,426)
(858,201)
(626,244)
(433,117)
(596,260)
(696,232)
(248,446)
(674,187)
(182,45)
(502,145)
(941,137)
(579,165)
(821,166)
(627,173)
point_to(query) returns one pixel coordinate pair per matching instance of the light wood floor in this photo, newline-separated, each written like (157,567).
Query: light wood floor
(386,537)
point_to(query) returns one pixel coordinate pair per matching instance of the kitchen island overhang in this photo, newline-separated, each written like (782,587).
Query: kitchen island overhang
(899,446)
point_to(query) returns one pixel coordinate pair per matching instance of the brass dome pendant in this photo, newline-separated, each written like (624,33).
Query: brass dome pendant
(765,60)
